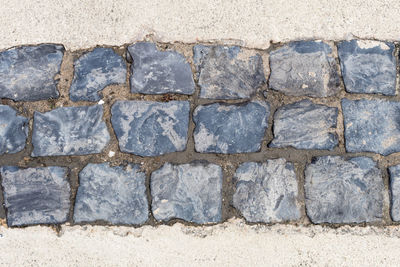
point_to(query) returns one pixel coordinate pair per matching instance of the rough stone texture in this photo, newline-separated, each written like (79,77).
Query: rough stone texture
(227,72)
(368,66)
(343,191)
(227,129)
(27,73)
(148,128)
(94,71)
(267,192)
(304,125)
(371,126)
(13,130)
(35,195)
(113,194)
(304,68)
(69,131)
(159,72)
(192,192)
(394,172)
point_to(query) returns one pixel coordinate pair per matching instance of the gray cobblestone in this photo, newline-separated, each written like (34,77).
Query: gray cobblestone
(394,172)
(13,130)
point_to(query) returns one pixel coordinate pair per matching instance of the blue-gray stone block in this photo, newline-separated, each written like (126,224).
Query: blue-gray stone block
(148,128)
(69,131)
(13,130)
(35,195)
(227,72)
(371,126)
(305,125)
(159,72)
(192,192)
(228,129)
(113,194)
(394,172)
(304,68)
(339,190)
(94,71)
(27,73)
(267,192)
(368,66)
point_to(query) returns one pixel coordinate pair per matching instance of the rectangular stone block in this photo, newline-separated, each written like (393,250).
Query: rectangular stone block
(394,172)
(13,130)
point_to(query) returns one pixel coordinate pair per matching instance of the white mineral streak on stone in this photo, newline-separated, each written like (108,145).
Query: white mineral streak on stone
(365,44)
(204,139)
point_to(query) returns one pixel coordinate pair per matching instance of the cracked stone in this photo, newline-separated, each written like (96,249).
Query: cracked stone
(368,66)
(340,190)
(267,192)
(159,72)
(305,125)
(192,192)
(28,73)
(394,172)
(113,194)
(69,131)
(13,130)
(304,68)
(35,195)
(228,72)
(228,129)
(94,71)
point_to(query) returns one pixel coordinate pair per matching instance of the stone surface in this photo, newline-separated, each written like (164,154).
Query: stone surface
(28,73)
(267,192)
(368,66)
(227,72)
(113,194)
(305,125)
(304,68)
(148,128)
(343,191)
(69,131)
(192,192)
(394,172)
(371,126)
(94,71)
(227,129)
(35,195)
(159,72)
(13,130)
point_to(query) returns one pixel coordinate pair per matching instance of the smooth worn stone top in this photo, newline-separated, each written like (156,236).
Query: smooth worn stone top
(13,130)
(192,192)
(371,126)
(394,172)
(148,128)
(343,191)
(228,72)
(305,125)
(304,68)
(267,192)
(113,194)
(159,72)
(35,195)
(28,73)
(94,71)
(69,131)
(228,129)
(368,66)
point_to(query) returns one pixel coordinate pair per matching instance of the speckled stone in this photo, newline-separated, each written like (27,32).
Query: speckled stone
(35,195)
(113,194)
(343,191)
(69,131)
(192,192)
(304,125)
(394,172)
(267,192)
(159,72)
(304,68)
(368,67)
(371,126)
(227,72)
(228,129)
(28,73)
(148,128)
(13,130)
(94,71)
